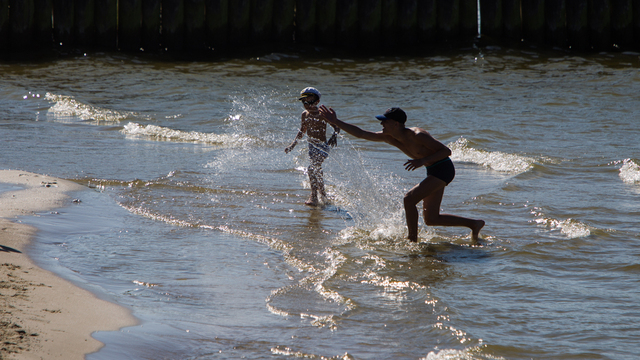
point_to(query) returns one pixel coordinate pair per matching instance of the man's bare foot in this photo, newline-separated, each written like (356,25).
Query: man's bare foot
(475,230)
(312,201)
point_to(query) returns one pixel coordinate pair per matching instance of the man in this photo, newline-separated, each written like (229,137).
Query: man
(316,129)
(423,150)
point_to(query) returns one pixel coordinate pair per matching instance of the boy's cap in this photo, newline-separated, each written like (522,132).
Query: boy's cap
(393,113)
(308,91)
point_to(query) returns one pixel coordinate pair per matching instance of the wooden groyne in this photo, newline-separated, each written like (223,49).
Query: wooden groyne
(377,26)
(576,24)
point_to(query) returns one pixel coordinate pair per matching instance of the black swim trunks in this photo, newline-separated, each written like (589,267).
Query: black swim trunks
(443,170)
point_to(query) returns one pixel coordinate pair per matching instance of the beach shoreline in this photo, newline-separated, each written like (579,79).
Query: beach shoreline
(44,316)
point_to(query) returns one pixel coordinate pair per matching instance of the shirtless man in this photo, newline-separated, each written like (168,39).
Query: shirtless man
(316,129)
(423,150)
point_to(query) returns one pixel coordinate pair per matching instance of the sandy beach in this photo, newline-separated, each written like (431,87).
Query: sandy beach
(43,316)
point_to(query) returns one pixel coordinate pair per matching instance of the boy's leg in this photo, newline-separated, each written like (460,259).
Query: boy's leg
(313,181)
(320,179)
(316,176)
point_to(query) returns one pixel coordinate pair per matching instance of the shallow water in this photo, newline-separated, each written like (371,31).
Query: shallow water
(195,219)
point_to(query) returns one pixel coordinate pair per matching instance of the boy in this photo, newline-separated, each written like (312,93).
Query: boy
(316,129)
(423,150)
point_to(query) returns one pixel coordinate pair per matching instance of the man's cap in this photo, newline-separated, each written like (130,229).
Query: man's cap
(308,91)
(393,113)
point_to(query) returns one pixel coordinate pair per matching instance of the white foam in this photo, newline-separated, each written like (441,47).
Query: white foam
(496,160)
(466,354)
(168,134)
(66,109)
(630,171)
(571,228)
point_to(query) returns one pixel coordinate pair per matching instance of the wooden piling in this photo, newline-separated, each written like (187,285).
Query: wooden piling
(427,21)
(130,25)
(600,24)
(261,21)
(491,18)
(106,24)
(622,23)
(533,21)
(172,25)
(84,25)
(150,27)
(370,19)
(305,21)
(194,26)
(578,24)
(283,15)
(389,24)
(468,19)
(448,19)
(21,24)
(408,22)
(326,22)
(239,22)
(43,24)
(217,23)
(4,27)
(347,24)
(63,23)
(636,23)
(556,23)
(512,14)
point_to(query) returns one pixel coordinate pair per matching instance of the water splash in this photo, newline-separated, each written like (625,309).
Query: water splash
(373,199)
(254,112)
(67,109)
(495,160)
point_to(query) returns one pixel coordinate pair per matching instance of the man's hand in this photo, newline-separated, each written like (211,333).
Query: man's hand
(413,164)
(328,114)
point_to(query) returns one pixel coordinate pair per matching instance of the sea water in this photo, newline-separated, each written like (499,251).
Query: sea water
(194,217)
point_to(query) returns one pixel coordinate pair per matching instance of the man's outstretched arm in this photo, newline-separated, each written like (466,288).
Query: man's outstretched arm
(330,116)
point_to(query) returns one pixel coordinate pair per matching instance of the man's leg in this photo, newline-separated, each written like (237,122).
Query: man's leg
(432,188)
(432,216)
(430,191)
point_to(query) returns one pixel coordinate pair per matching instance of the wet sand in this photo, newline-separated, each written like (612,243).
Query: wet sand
(43,316)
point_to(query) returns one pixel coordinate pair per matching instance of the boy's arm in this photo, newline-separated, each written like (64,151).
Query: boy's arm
(301,132)
(333,141)
(330,116)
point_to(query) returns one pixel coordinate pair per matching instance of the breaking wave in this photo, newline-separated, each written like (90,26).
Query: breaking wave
(167,134)
(496,160)
(630,171)
(473,353)
(571,228)
(66,109)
